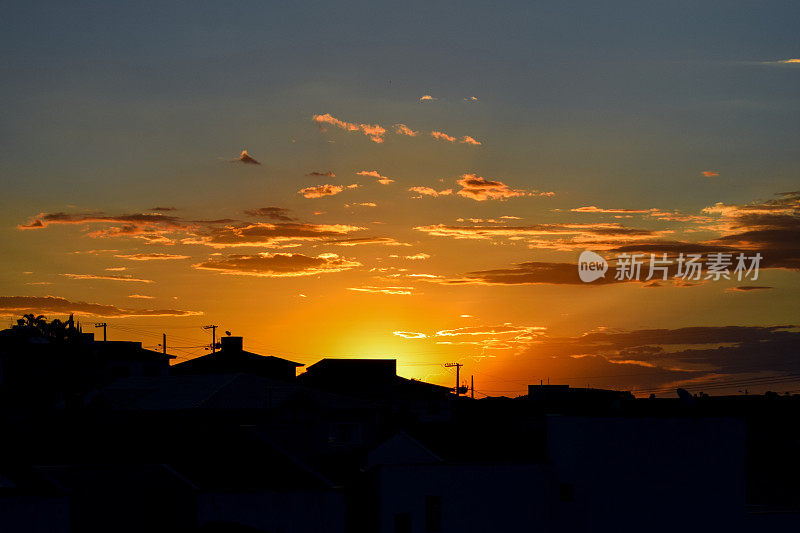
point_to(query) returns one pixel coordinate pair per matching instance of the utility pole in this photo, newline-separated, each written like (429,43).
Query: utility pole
(213,329)
(458,370)
(472,387)
(102,325)
(164,343)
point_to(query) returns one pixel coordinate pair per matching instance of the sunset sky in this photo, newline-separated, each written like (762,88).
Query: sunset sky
(418,183)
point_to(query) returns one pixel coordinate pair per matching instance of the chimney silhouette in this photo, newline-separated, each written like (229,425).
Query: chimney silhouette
(231,344)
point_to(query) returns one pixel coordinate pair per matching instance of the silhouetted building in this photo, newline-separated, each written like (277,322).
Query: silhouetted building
(377,380)
(47,372)
(122,359)
(233,359)
(563,398)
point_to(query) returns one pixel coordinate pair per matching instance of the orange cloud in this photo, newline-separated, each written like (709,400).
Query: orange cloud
(373,131)
(552,236)
(426,97)
(480,189)
(492,330)
(319,191)
(402,129)
(383,180)
(466,139)
(443,136)
(397,291)
(709,173)
(427,191)
(107,278)
(151,257)
(278,265)
(410,334)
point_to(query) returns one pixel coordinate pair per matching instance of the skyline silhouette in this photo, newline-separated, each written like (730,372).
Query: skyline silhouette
(375,267)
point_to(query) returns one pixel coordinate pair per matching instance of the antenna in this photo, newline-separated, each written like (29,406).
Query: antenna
(213,329)
(458,370)
(104,326)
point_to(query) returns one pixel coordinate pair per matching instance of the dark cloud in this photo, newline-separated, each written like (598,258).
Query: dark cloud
(531,272)
(267,234)
(17,305)
(151,256)
(326,174)
(272,213)
(164,209)
(771,228)
(675,357)
(136,219)
(357,241)
(278,264)
(246,158)
(149,226)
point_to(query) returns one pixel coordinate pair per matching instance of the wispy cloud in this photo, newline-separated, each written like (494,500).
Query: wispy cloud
(326,174)
(107,278)
(427,98)
(565,236)
(374,131)
(466,139)
(410,334)
(710,173)
(359,241)
(749,288)
(53,304)
(273,213)
(428,191)
(394,291)
(595,209)
(791,62)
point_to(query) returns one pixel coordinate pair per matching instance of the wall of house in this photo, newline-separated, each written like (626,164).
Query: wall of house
(34,514)
(276,512)
(441,498)
(645,474)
